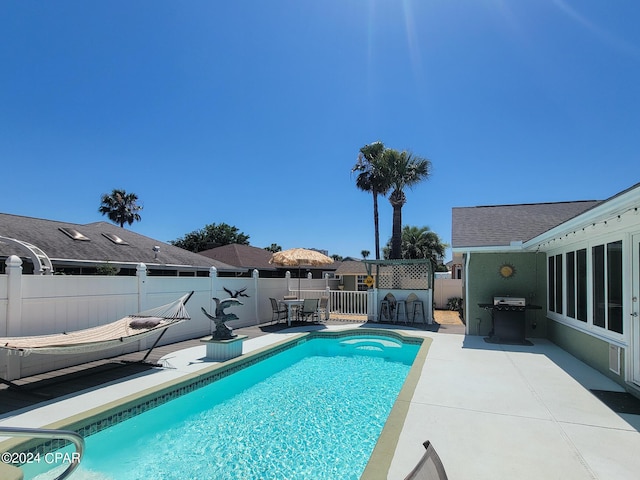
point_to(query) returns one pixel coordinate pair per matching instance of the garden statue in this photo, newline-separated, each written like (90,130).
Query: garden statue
(222,331)
(237,293)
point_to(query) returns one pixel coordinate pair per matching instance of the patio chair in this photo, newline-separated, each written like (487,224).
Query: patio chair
(279,311)
(429,467)
(323,309)
(309,309)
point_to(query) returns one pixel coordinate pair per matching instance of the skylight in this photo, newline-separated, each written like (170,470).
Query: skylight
(114,238)
(75,234)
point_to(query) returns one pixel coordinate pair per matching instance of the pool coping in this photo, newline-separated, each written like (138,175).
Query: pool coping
(95,419)
(379,463)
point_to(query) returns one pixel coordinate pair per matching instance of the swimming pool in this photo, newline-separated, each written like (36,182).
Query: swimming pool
(313,410)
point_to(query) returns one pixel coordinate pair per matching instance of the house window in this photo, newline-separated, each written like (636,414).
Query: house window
(558,284)
(597,259)
(571,284)
(581,285)
(576,283)
(607,286)
(360,285)
(614,286)
(551,294)
(555,283)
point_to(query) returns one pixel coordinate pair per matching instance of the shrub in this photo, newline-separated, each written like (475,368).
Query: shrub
(454,303)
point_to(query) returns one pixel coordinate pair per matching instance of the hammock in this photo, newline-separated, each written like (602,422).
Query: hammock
(121,332)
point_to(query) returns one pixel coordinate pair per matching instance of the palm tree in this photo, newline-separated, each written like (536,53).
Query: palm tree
(370,180)
(365,254)
(120,207)
(401,170)
(422,243)
(273,248)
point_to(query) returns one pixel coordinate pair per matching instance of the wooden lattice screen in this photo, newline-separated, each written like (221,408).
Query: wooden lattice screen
(402,274)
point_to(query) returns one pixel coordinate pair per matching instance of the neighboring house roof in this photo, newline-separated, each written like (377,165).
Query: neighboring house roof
(248,257)
(60,247)
(499,225)
(351,267)
(244,256)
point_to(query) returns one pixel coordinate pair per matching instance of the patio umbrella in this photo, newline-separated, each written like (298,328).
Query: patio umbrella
(298,257)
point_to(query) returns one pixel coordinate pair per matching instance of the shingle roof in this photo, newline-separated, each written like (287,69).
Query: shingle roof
(351,267)
(499,225)
(244,256)
(249,257)
(46,235)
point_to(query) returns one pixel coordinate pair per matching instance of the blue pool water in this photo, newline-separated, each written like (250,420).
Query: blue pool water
(314,411)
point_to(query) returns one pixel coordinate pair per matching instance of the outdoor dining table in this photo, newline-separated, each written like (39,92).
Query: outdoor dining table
(290,304)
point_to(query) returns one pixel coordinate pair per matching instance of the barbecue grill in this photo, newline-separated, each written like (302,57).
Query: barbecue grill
(509,303)
(509,324)
(508,319)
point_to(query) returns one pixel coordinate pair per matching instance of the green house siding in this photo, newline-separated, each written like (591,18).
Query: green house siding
(485,282)
(591,350)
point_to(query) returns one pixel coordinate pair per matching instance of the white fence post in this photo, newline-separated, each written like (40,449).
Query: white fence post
(255,276)
(14,312)
(213,276)
(141,272)
(372,307)
(14,296)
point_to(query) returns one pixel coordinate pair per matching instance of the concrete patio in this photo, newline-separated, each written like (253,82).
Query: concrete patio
(516,412)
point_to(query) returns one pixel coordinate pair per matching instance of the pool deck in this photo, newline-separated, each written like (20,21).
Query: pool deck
(491,411)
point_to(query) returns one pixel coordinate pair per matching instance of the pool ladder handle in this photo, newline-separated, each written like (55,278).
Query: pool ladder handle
(73,437)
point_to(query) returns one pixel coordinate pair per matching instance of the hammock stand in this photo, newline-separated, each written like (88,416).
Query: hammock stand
(120,332)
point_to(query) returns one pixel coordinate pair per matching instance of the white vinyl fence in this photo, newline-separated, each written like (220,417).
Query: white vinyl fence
(49,304)
(355,303)
(444,289)
(340,301)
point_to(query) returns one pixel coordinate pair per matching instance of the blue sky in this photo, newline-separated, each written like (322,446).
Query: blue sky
(252,112)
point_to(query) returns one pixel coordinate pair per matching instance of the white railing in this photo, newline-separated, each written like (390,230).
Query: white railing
(340,301)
